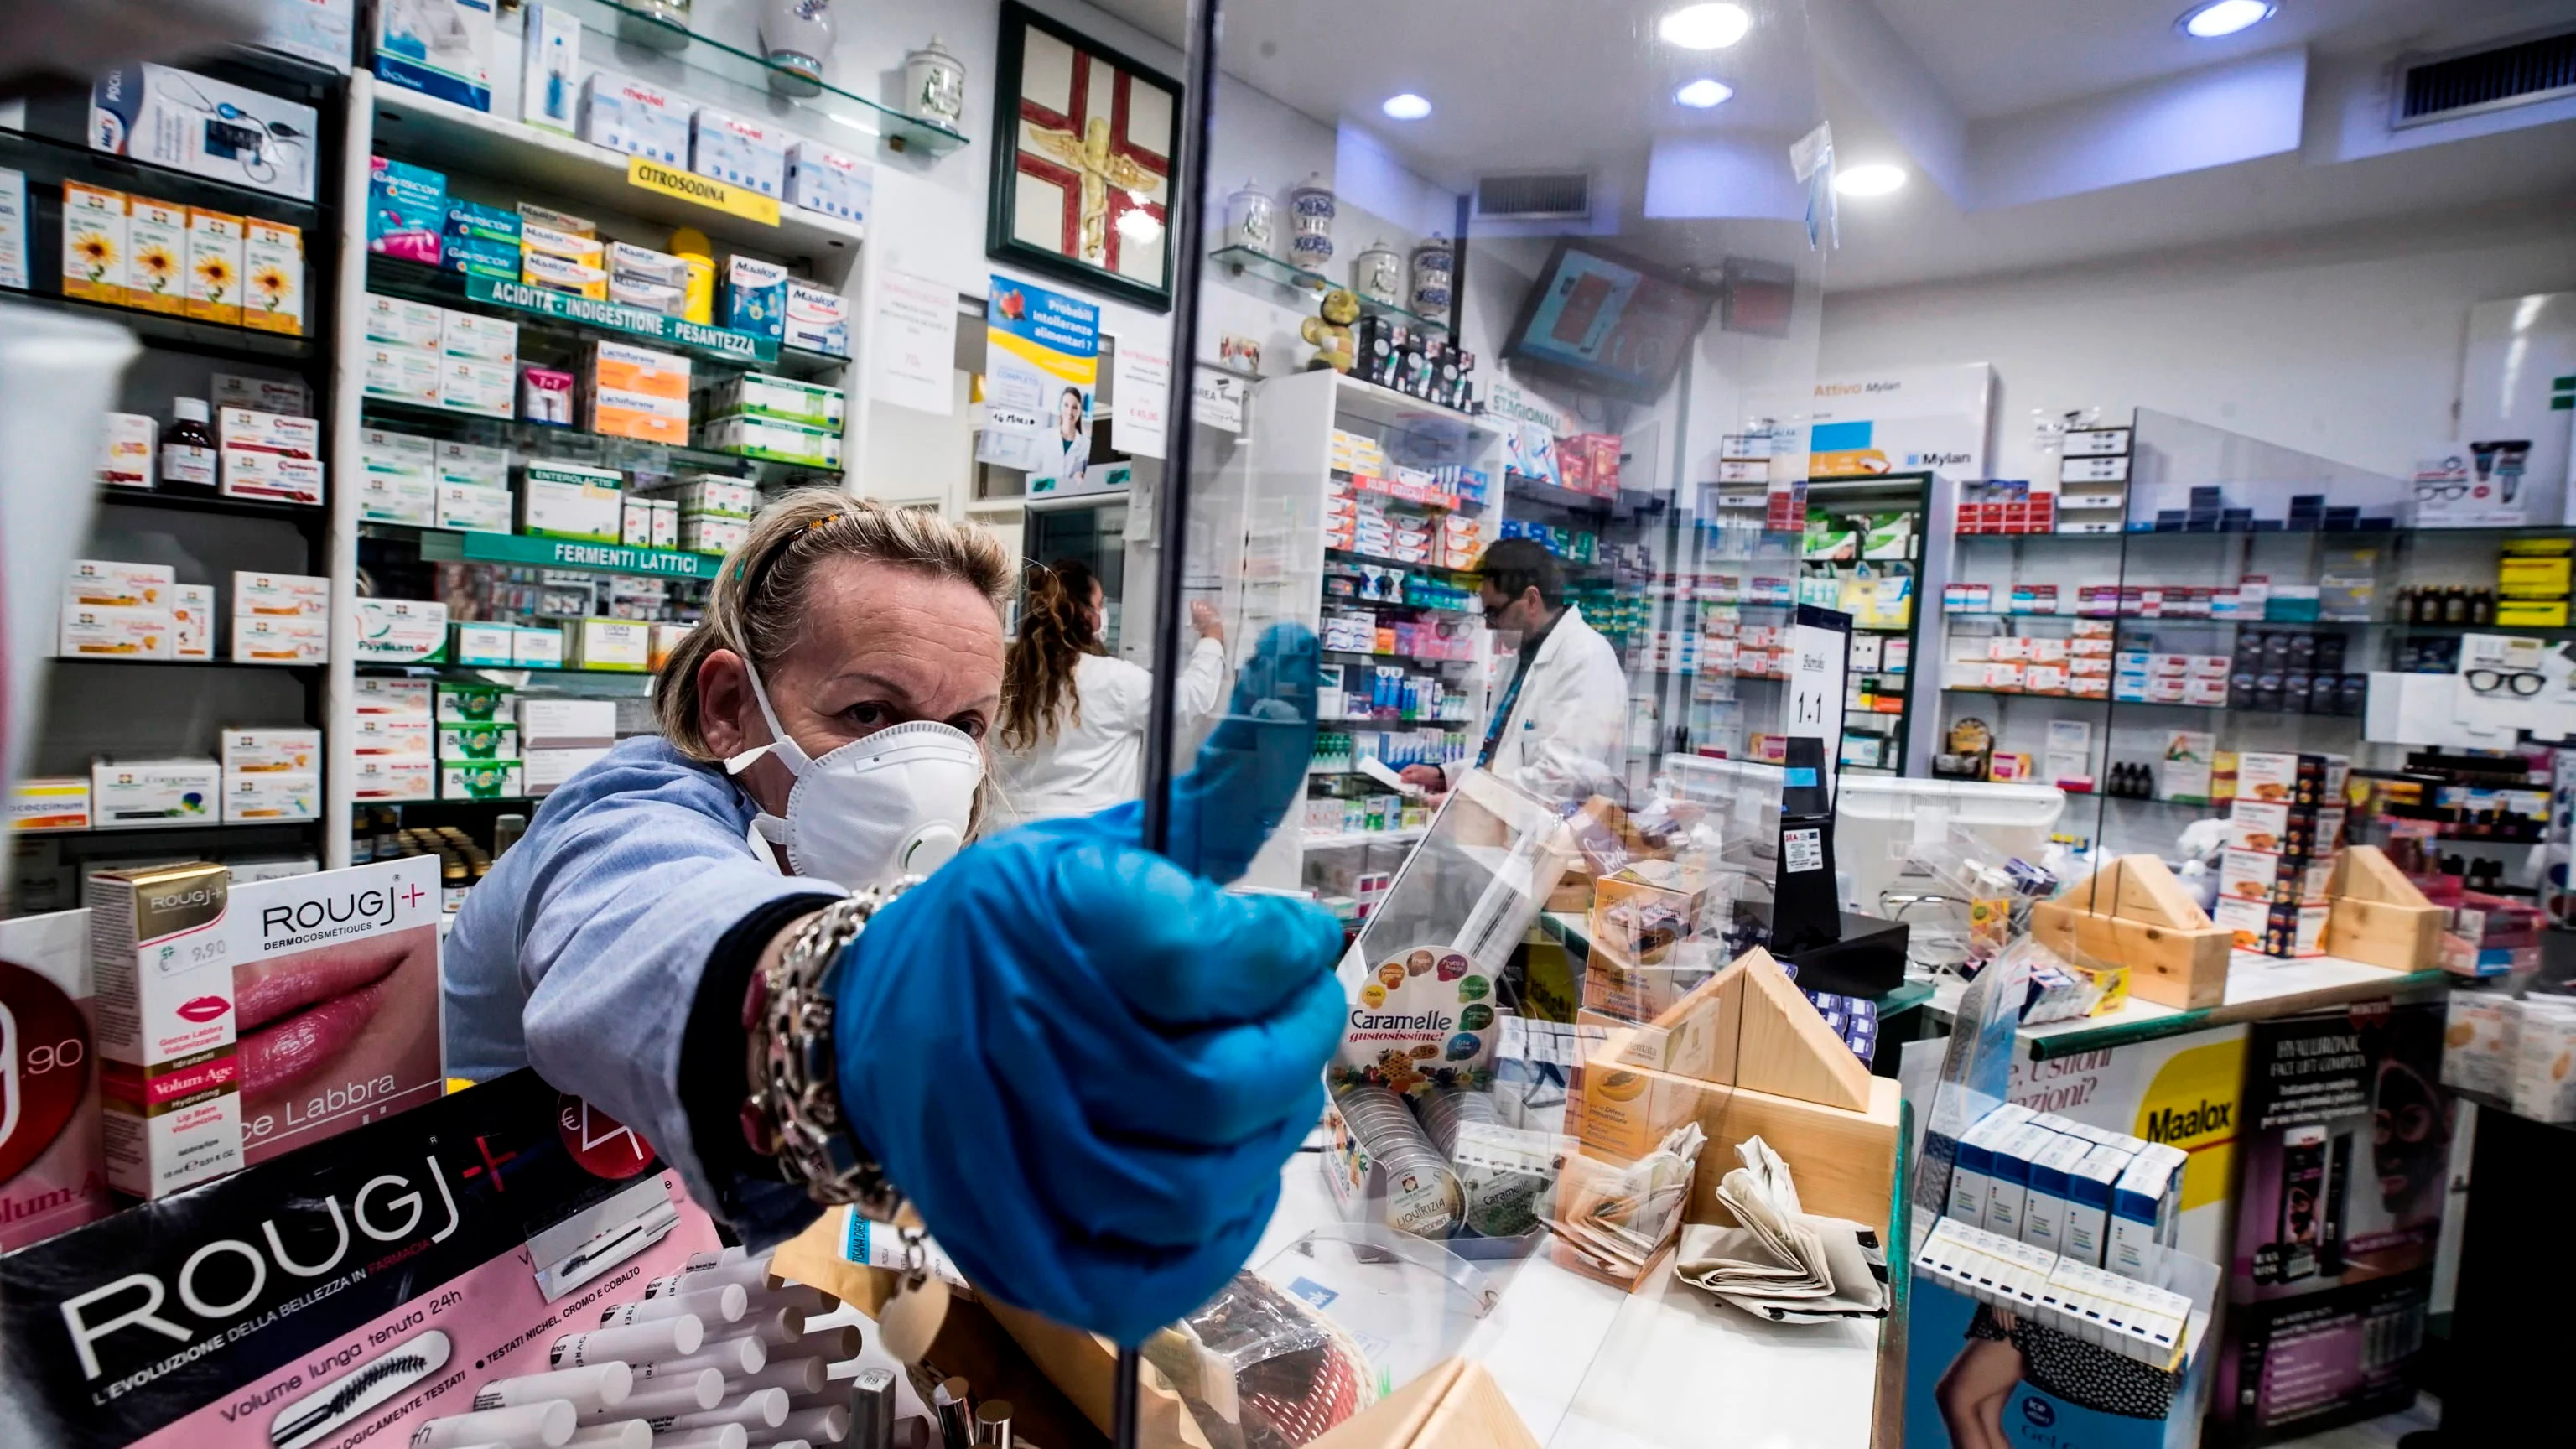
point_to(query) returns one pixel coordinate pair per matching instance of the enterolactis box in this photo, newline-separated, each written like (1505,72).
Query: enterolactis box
(53,1172)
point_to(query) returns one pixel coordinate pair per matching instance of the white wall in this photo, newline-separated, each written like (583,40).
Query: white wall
(2345,345)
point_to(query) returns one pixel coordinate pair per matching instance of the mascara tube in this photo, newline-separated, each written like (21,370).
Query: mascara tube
(993,1422)
(759,1409)
(664,1398)
(795,1375)
(723,1303)
(872,1406)
(751,1273)
(600,1386)
(548,1423)
(827,1425)
(723,1436)
(620,1434)
(727,1356)
(635,1343)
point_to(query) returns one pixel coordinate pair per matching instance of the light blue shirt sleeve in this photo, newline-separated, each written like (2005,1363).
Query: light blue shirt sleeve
(580,953)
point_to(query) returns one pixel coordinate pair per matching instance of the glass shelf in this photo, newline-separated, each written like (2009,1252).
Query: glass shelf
(573,445)
(50,161)
(178,334)
(688,59)
(303,514)
(1289,277)
(414,282)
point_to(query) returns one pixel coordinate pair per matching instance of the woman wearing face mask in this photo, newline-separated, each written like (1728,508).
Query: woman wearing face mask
(1079,1062)
(1073,723)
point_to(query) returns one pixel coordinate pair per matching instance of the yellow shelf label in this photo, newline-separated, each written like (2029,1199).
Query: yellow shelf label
(689,186)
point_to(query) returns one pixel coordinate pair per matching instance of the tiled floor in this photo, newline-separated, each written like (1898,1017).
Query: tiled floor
(2375,1433)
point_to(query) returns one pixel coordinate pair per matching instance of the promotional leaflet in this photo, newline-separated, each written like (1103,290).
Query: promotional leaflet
(351,1293)
(2345,1152)
(1041,370)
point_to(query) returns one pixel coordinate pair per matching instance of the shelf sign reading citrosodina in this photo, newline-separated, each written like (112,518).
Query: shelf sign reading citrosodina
(618,317)
(704,190)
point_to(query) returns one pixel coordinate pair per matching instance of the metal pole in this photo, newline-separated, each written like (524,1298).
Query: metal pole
(1189,192)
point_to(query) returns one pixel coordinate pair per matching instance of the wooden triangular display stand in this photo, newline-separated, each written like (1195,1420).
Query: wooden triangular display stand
(2133,913)
(2379,917)
(1748,1026)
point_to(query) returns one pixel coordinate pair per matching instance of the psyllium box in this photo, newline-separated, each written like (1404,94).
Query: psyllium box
(52,1174)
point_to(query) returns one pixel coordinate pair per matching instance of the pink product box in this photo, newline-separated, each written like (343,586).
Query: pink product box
(2164,691)
(53,1172)
(2207,693)
(2208,666)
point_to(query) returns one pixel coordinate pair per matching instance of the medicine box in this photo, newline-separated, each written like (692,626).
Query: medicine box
(2146,1204)
(480,645)
(271,751)
(156,236)
(164,116)
(261,639)
(481,780)
(406,211)
(54,802)
(537,648)
(624,114)
(560,500)
(153,792)
(738,151)
(818,319)
(473,508)
(401,631)
(395,322)
(392,735)
(192,621)
(400,374)
(271,797)
(778,442)
(275,477)
(95,254)
(406,697)
(545,770)
(560,723)
(485,389)
(117,584)
(824,180)
(755,297)
(129,454)
(214,263)
(718,498)
(610,644)
(476,704)
(582,279)
(105,631)
(381,777)
(474,463)
(481,339)
(2086,1233)
(384,498)
(481,740)
(272,277)
(550,68)
(440,48)
(2043,1221)
(2013,1156)
(754,394)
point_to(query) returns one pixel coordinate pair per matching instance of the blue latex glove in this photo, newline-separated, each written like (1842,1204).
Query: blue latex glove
(1083,1061)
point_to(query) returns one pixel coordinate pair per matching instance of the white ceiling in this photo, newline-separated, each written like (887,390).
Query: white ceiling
(1536,84)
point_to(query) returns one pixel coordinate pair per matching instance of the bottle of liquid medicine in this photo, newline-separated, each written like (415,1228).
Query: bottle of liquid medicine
(188,448)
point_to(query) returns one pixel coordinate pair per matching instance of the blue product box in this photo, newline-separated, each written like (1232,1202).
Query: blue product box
(440,48)
(406,210)
(482,223)
(482,259)
(755,297)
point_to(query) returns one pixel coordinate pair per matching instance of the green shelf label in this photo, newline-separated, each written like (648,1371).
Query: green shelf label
(618,317)
(567,553)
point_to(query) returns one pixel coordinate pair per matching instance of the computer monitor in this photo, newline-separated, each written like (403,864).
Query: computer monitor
(1883,818)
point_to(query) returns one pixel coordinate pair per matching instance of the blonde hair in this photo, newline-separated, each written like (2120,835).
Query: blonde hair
(759,596)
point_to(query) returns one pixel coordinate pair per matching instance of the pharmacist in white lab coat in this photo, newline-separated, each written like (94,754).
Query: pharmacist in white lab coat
(1557,726)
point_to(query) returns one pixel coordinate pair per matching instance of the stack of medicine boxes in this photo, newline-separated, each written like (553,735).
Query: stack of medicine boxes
(113,610)
(2065,1223)
(2282,832)
(478,743)
(272,774)
(754,415)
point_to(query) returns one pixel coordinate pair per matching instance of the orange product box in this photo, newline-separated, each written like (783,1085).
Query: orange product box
(214,265)
(640,372)
(156,245)
(94,243)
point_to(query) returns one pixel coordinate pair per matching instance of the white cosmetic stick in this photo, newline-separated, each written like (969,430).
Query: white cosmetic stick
(600,1386)
(728,1356)
(547,1423)
(723,1436)
(791,1295)
(827,1425)
(751,1273)
(782,1443)
(779,1329)
(734,1254)
(795,1375)
(636,1343)
(667,1398)
(724,1303)
(766,1408)
(621,1434)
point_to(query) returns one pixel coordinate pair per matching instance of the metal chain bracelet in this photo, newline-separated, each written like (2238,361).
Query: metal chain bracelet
(793,1108)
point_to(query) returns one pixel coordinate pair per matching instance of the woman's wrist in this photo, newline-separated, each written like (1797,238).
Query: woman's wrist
(792,1109)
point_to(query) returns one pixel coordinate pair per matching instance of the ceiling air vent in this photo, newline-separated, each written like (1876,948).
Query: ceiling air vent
(1564,196)
(2442,88)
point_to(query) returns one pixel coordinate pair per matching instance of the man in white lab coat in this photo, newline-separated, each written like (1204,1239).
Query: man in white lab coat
(1560,719)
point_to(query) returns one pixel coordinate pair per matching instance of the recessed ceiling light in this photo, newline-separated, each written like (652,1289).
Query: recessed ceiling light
(1869,180)
(1406,107)
(1704,27)
(1704,93)
(2224,17)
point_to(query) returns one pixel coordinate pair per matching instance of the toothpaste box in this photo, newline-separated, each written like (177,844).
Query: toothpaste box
(271,797)
(2146,1204)
(625,114)
(53,1170)
(153,792)
(818,319)
(271,751)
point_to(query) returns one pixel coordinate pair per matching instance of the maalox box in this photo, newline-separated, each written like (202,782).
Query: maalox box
(238,1022)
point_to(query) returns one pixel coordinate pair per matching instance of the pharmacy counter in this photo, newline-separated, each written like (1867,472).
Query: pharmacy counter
(2258,988)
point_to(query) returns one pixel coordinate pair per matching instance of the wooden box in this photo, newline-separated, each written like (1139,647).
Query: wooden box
(2132,913)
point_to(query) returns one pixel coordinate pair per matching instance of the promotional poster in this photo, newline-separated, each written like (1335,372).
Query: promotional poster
(2183,1091)
(1042,367)
(2343,1154)
(348,1294)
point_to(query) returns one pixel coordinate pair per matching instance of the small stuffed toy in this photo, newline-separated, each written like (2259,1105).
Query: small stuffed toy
(1331,331)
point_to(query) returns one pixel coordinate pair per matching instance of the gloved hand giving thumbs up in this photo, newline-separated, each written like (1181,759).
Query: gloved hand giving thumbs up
(1082,1060)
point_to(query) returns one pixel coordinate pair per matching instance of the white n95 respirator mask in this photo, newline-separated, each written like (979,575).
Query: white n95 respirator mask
(884,806)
